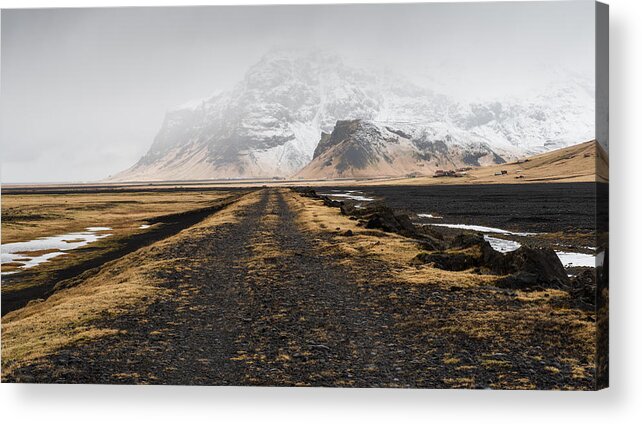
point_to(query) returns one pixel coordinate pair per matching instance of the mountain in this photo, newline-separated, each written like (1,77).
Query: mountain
(360,148)
(270,123)
(561,115)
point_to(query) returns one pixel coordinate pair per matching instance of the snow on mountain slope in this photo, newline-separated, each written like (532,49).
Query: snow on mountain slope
(563,114)
(270,123)
(364,149)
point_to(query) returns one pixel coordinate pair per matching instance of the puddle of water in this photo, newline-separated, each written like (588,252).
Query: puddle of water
(349,195)
(19,252)
(483,229)
(576,259)
(429,215)
(143,226)
(502,245)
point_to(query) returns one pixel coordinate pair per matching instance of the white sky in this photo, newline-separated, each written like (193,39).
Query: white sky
(84,91)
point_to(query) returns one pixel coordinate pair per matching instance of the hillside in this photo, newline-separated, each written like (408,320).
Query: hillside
(580,163)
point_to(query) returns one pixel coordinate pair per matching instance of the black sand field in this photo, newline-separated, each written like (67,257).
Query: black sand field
(550,207)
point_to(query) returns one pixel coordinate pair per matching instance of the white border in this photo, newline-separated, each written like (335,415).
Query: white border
(621,403)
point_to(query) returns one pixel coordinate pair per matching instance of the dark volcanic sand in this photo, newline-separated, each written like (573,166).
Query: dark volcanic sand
(568,207)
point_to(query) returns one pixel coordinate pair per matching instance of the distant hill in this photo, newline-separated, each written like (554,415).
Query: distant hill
(583,162)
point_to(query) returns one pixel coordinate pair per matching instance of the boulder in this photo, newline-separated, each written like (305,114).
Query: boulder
(332,203)
(466,240)
(307,192)
(527,266)
(384,218)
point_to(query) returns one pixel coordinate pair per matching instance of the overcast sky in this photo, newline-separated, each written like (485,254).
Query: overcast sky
(84,91)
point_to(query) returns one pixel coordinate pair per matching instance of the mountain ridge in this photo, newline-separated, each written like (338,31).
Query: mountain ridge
(271,122)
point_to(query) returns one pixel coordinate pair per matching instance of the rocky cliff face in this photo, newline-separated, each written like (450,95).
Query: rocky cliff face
(271,122)
(360,148)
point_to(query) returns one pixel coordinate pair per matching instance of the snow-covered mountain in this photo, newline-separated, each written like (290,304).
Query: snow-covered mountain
(359,148)
(271,122)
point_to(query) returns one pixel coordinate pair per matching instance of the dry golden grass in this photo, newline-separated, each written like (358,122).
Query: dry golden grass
(230,214)
(586,162)
(66,317)
(28,216)
(69,316)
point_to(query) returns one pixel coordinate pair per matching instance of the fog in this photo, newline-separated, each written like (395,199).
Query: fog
(84,91)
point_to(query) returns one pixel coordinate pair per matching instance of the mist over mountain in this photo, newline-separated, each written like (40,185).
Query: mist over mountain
(287,106)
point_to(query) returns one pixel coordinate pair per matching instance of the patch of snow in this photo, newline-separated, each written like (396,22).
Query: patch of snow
(356,197)
(576,259)
(502,245)
(96,229)
(18,252)
(429,215)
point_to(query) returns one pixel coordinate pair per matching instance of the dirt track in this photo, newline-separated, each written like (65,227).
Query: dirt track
(262,304)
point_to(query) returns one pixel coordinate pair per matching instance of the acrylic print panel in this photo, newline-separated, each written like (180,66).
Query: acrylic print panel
(391,195)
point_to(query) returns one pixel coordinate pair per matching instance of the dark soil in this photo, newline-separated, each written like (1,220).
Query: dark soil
(549,207)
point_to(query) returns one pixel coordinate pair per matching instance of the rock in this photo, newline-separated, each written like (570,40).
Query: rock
(384,218)
(332,203)
(583,288)
(446,261)
(307,192)
(348,233)
(347,208)
(527,267)
(466,240)
(428,243)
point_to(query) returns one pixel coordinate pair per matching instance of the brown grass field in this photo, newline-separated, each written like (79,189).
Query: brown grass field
(28,216)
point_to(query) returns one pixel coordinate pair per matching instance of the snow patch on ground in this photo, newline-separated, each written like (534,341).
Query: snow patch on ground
(502,245)
(20,251)
(356,197)
(576,259)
